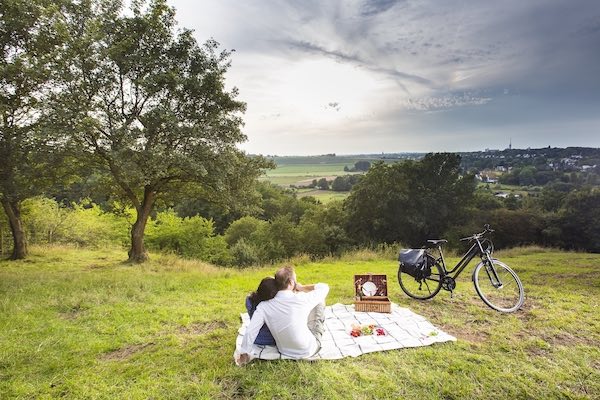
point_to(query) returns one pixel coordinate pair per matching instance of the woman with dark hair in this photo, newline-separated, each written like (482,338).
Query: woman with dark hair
(266,291)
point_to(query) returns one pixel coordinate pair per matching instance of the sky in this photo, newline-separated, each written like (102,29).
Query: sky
(373,76)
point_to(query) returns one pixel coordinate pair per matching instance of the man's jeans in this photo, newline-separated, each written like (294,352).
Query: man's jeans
(316,322)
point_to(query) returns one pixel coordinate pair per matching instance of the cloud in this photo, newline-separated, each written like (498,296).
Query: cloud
(355,59)
(445,102)
(374,7)
(334,105)
(444,71)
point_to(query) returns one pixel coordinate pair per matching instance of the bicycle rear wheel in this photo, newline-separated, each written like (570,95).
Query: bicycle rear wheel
(421,289)
(502,290)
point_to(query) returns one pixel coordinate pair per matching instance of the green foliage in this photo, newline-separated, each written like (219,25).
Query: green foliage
(362,166)
(91,226)
(344,183)
(191,237)
(276,201)
(485,200)
(44,219)
(283,234)
(580,219)
(30,146)
(5,235)
(85,224)
(243,228)
(323,184)
(30,43)
(409,202)
(514,227)
(318,233)
(527,176)
(244,254)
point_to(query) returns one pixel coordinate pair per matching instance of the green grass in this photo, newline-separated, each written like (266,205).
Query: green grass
(301,174)
(324,196)
(295,170)
(302,170)
(78,323)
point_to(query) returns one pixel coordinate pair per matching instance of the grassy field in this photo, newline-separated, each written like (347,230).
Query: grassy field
(293,170)
(300,171)
(303,174)
(324,196)
(310,170)
(83,324)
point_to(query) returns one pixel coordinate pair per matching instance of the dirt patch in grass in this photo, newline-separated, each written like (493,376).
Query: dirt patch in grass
(96,266)
(125,352)
(230,388)
(200,328)
(525,313)
(471,336)
(567,339)
(473,331)
(72,313)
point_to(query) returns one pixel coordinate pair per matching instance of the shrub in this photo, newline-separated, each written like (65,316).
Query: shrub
(243,228)
(190,237)
(215,251)
(90,226)
(244,254)
(85,224)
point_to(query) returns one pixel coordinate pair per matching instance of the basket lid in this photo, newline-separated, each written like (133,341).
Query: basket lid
(367,285)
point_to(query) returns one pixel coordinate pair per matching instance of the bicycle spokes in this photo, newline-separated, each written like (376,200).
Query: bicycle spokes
(499,286)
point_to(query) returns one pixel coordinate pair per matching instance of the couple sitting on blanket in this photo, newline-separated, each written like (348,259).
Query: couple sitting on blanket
(285,313)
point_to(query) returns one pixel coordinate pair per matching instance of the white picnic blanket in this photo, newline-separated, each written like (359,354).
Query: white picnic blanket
(403,328)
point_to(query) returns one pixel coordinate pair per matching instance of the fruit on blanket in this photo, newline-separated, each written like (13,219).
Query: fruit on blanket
(365,330)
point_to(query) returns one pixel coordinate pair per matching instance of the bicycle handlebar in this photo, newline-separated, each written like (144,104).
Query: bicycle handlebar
(486,229)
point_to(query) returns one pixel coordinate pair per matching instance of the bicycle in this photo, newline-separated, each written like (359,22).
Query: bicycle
(495,282)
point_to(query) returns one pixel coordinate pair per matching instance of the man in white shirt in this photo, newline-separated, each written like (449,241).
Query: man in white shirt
(295,317)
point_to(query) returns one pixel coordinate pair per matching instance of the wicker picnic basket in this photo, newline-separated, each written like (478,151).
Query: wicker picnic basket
(371,293)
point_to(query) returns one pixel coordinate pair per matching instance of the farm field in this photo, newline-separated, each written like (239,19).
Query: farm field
(79,323)
(291,170)
(301,171)
(324,196)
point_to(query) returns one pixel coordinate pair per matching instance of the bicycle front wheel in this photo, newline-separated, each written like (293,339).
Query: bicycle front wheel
(498,286)
(421,289)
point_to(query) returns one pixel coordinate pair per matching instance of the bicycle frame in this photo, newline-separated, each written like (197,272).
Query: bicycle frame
(475,250)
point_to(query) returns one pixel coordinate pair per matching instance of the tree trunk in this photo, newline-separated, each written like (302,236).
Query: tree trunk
(1,241)
(11,208)
(137,252)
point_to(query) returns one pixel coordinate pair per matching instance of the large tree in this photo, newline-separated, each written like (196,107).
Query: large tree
(29,41)
(150,107)
(409,202)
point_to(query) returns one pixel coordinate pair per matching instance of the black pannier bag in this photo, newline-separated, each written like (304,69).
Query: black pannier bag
(414,263)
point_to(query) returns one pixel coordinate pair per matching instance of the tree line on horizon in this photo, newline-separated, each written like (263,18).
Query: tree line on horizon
(393,205)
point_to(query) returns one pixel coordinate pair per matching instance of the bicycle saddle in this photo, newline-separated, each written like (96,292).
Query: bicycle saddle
(437,241)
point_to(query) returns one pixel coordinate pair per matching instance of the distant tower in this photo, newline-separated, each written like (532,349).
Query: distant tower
(510,144)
